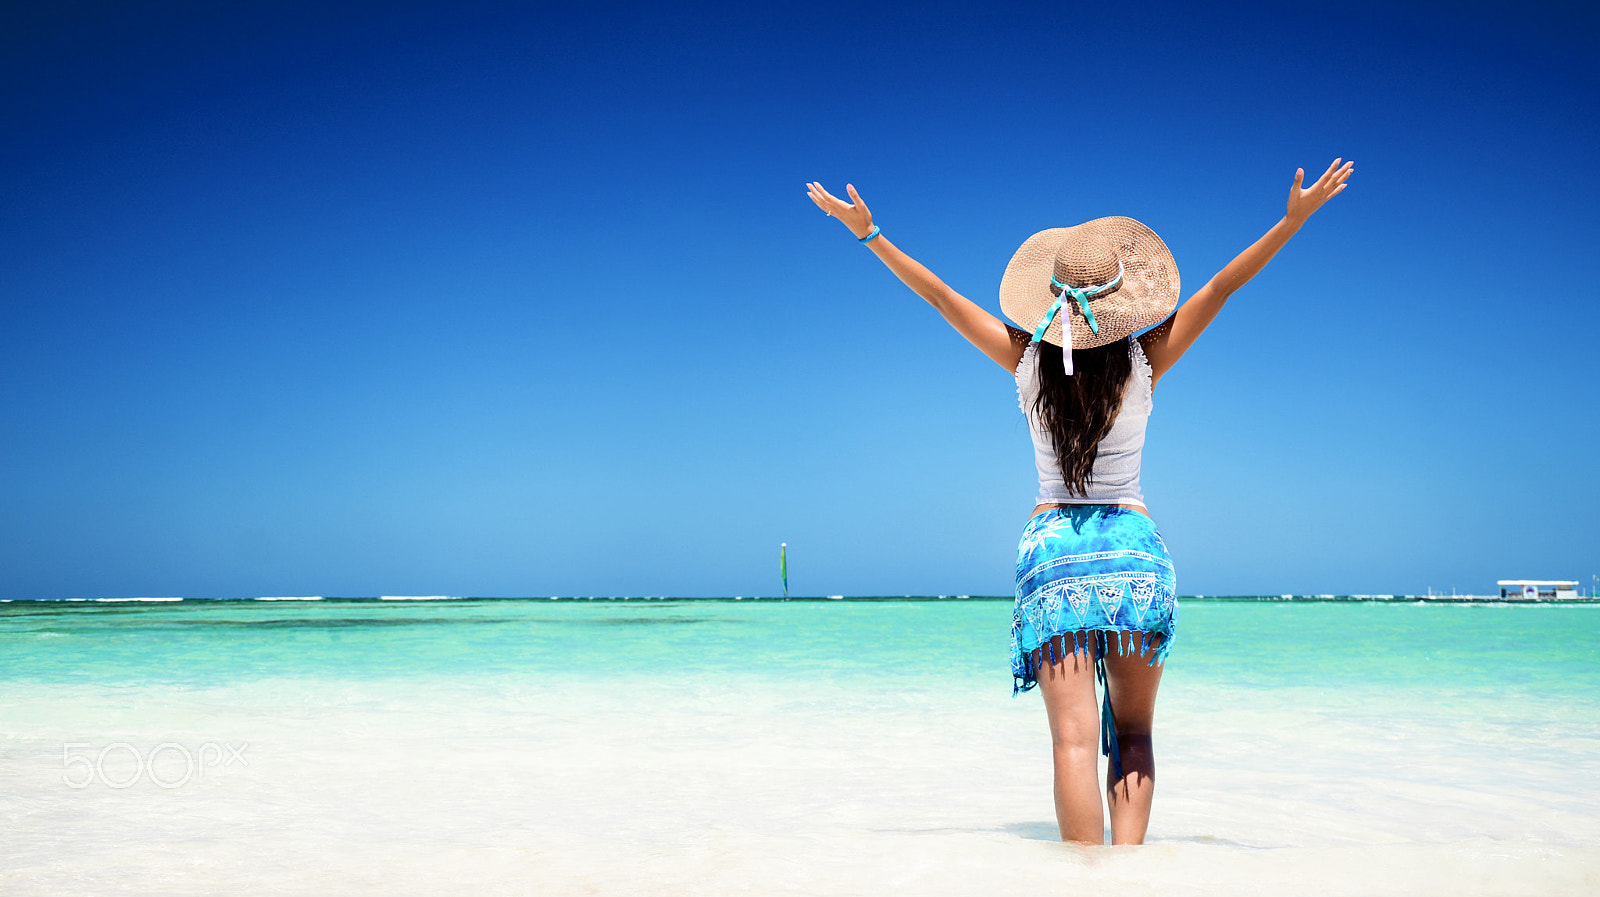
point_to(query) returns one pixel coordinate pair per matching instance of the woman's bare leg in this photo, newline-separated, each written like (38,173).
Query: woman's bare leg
(1133,684)
(1068,689)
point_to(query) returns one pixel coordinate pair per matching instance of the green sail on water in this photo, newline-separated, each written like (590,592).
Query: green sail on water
(783,567)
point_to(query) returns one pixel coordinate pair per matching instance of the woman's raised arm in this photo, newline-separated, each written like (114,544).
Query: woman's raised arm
(982,329)
(1167,342)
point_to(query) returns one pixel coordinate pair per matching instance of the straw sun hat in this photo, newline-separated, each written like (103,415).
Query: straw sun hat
(1088,259)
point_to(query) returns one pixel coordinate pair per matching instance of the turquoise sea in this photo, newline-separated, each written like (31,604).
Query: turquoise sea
(525,746)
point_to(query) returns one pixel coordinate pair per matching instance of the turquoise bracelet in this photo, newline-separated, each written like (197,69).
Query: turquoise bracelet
(870,235)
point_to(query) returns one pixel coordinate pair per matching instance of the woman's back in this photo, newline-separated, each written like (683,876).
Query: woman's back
(1114,478)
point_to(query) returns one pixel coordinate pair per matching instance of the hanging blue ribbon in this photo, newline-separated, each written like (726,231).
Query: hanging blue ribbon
(1049,315)
(1083,295)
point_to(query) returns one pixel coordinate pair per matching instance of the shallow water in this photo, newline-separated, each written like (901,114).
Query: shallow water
(713,747)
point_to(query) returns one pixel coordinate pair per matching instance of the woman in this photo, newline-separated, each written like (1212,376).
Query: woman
(1095,591)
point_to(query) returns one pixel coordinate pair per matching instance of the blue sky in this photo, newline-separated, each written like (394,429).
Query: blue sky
(497,300)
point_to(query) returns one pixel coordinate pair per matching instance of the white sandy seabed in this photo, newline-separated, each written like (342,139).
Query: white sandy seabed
(696,786)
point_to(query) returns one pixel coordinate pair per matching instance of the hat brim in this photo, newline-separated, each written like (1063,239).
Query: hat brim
(1147,295)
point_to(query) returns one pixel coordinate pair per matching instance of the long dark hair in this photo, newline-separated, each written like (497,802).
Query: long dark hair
(1078,411)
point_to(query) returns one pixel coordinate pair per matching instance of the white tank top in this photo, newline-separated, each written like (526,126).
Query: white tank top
(1114,480)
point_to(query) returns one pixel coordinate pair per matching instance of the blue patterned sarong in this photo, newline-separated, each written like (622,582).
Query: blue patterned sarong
(1089,570)
(1091,578)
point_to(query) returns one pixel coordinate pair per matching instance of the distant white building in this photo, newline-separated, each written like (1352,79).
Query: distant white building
(1539,589)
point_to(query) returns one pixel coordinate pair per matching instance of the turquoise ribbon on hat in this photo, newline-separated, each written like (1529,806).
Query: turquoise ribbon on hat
(1049,315)
(1083,295)
(1086,293)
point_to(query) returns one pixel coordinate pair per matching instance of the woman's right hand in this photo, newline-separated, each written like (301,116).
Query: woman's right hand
(1304,200)
(854,215)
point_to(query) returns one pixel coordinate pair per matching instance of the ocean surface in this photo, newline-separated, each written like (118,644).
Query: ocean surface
(811,747)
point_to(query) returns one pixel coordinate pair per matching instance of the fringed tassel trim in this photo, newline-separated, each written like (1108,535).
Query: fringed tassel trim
(1056,648)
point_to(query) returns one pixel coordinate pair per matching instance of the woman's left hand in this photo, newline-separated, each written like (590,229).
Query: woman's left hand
(854,215)
(1304,201)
